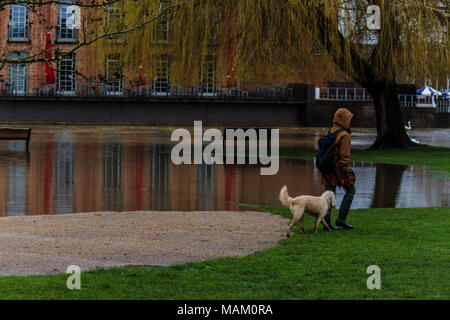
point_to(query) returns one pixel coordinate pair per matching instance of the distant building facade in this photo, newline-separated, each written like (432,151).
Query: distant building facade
(23,34)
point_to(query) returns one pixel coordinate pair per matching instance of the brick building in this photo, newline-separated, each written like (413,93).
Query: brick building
(23,34)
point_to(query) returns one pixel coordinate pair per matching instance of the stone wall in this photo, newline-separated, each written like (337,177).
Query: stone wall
(322,112)
(150,112)
(212,112)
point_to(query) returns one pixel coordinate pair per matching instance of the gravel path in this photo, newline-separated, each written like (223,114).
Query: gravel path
(49,244)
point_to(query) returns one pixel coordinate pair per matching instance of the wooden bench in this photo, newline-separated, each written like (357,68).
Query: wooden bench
(16,134)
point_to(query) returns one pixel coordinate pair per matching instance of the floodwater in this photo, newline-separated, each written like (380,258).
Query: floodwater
(86,169)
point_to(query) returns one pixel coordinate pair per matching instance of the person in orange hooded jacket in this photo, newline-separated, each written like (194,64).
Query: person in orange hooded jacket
(342,175)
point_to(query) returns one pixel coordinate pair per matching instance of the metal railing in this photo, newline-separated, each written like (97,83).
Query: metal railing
(123,88)
(346,94)
(408,100)
(361,94)
(443,106)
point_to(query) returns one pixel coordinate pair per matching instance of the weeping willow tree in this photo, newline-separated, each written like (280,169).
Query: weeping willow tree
(410,42)
(250,41)
(277,39)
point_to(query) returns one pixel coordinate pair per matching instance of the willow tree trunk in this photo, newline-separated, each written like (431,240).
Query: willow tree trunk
(391,131)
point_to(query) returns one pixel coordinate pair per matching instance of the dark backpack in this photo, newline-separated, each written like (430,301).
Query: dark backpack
(325,154)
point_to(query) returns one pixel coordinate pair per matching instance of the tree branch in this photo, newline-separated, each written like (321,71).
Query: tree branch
(34,59)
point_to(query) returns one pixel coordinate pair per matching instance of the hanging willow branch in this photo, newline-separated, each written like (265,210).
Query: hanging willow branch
(275,40)
(89,38)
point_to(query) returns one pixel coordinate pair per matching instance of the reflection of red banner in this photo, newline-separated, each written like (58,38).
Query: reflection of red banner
(50,76)
(230,174)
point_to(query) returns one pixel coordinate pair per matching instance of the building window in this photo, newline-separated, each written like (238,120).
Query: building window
(162,31)
(208,75)
(161,73)
(160,176)
(65,30)
(161,34)
(16,184)
(114,74)
(112,176)
(18,22)
(18,74)
(317,48)
(114,17)
(64,173)
(66,74)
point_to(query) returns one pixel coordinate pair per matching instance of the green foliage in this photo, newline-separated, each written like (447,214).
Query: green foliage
(412,42)
(276,39)
(266,39)
(272,40)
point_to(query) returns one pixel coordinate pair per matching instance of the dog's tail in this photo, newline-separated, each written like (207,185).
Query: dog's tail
(284,197)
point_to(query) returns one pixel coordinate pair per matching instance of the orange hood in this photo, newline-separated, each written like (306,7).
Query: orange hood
(342,118)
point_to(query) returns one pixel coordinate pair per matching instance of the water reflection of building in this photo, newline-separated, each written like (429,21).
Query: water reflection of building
(64,173)
(41,186)
(16,175)
(160,175)
(136,176)
(206,187)
(416,189)
(81,172)
(88,170)
(366,177)
(4,181)
(112,176)
(183,187)
(232,186)
(245,183)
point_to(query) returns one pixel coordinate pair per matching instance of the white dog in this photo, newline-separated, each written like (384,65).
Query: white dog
(315,206)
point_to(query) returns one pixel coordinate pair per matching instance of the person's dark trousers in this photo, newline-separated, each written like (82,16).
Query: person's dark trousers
(345,208)
(327,218)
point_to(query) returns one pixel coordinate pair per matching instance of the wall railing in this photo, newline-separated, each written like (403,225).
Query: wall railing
(361,94)
(122,88)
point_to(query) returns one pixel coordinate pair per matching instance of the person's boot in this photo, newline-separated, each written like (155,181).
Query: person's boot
(343,223)
(327,219)
(343,213)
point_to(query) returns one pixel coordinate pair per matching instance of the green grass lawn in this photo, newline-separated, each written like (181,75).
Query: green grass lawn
(411,246)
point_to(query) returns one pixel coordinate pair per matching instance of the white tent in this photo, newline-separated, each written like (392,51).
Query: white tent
(428,92)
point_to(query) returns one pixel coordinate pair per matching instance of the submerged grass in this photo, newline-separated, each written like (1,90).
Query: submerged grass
(437,158)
